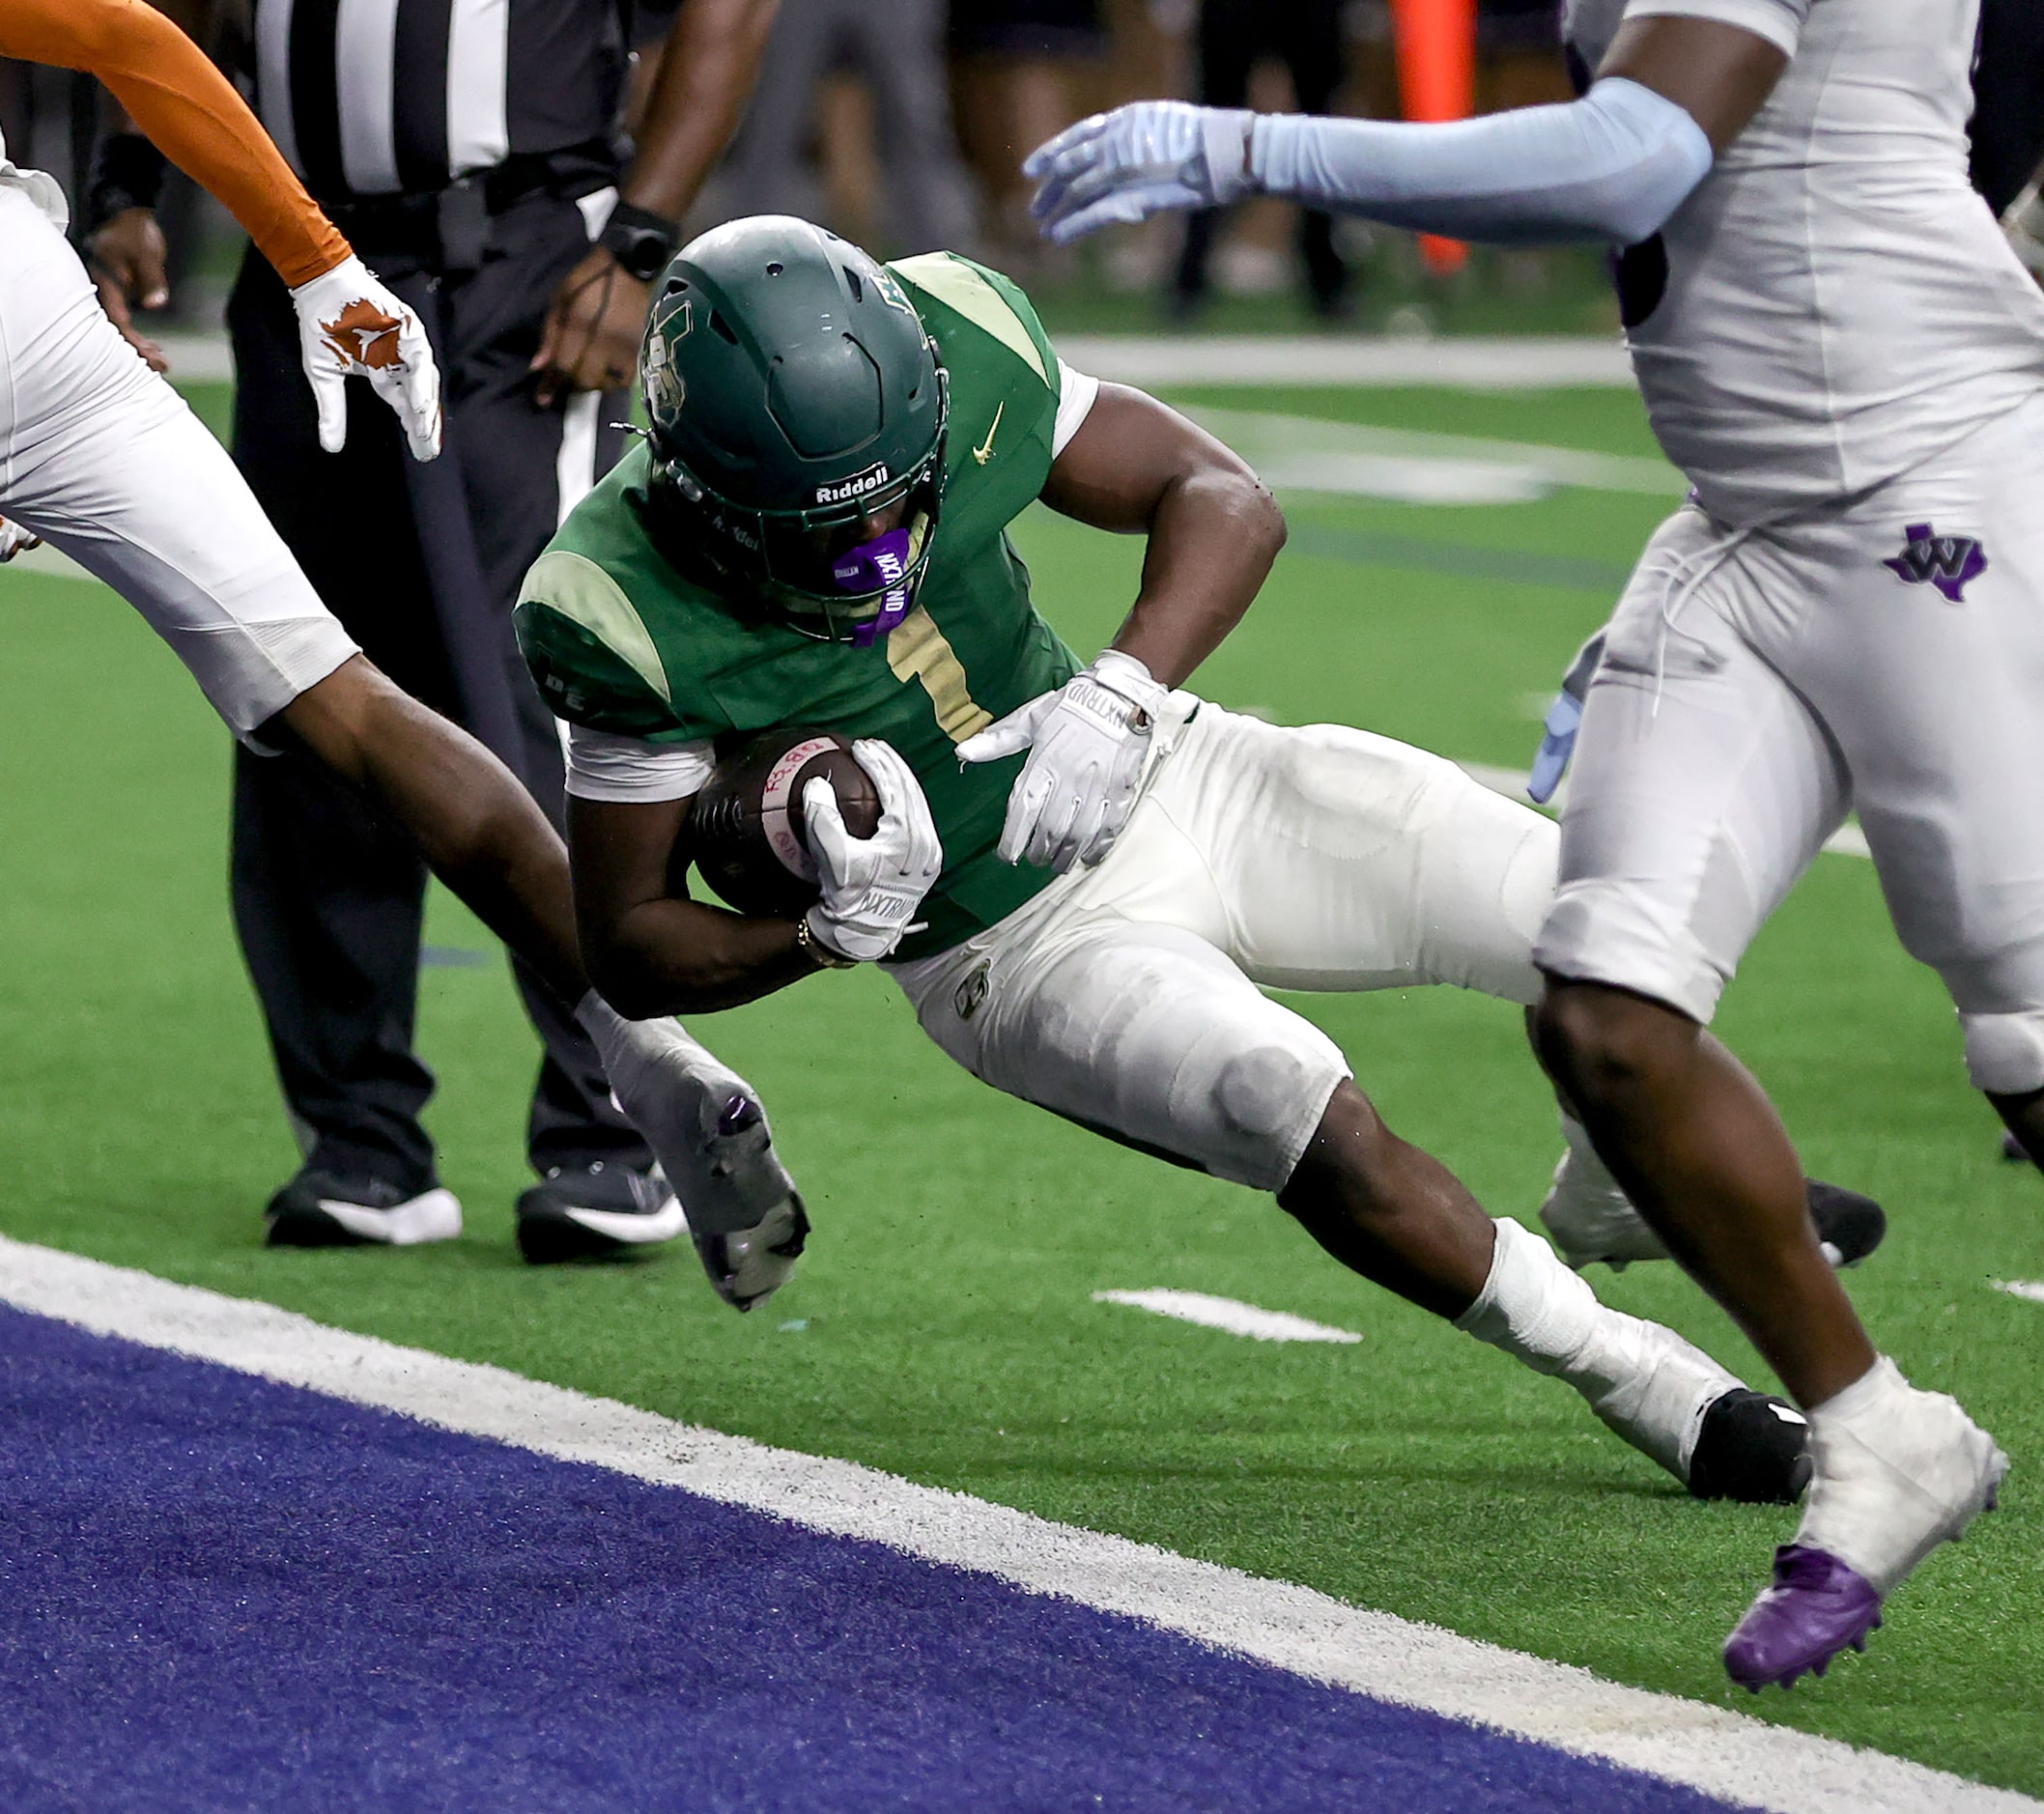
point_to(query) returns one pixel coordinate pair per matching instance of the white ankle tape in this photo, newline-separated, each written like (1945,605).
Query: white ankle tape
(1531,1305)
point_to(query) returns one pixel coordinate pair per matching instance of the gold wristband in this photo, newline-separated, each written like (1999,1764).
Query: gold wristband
(816,952)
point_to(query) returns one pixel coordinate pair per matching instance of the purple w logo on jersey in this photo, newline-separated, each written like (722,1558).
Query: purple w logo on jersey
(1944,561)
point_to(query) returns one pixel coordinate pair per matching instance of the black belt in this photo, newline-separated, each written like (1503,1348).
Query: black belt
(449,229)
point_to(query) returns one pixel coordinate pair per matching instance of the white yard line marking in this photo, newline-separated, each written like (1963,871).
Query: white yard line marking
(1315,454)
(1225,1313)
(1350,359)
(2032,1288)
(1848,840)
(1711,1749)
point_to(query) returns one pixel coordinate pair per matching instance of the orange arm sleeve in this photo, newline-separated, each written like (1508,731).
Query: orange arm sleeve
(190,110)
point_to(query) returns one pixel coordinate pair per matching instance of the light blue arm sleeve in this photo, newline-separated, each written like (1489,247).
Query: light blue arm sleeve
(1612,166)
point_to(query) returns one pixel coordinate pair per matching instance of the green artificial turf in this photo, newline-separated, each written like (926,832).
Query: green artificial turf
(943,1325)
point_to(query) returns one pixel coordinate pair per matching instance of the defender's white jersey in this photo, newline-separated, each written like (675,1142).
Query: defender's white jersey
(38,186)
(1838,305)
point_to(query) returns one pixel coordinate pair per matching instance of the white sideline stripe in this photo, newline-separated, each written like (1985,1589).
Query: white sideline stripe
(1710,1748)
(46,563)
(198,358)
(1225,1313)
(1848,840)
(1327,361)
(2032,1288)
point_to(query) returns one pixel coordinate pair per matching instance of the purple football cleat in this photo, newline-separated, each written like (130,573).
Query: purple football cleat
(1814,1607)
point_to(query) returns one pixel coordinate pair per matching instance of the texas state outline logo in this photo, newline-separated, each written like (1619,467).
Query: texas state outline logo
(1949,562)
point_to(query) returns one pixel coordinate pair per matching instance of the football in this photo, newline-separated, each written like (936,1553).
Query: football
(747,835)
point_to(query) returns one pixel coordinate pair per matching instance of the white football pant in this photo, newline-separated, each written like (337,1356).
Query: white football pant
(1755,686)
(1125,996)
(102,458)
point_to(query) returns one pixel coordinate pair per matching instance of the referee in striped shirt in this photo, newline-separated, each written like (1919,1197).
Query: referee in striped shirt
(472,150)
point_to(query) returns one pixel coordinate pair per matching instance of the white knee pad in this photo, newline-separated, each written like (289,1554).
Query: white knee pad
(2004,1053)
(1271,1096)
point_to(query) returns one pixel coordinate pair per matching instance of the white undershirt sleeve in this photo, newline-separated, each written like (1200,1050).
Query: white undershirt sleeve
(1076,392)
(622,770)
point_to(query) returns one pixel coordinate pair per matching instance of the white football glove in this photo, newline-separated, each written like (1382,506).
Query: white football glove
(872,886)
(351,326)
(16,540)
(1085,745)
(710,1135)
(1139,160)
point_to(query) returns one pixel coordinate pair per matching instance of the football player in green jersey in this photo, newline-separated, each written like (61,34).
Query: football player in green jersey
(1080,875)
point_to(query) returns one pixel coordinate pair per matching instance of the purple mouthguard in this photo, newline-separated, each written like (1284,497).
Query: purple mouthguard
(870,567)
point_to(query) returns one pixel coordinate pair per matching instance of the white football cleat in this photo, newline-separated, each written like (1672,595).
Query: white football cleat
(1898,1472)
(1589,1219)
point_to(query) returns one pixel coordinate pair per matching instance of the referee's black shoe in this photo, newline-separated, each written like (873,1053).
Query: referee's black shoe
(596,1211)
(322,1209)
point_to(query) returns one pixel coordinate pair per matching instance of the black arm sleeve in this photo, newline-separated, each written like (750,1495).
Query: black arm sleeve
(2009,99)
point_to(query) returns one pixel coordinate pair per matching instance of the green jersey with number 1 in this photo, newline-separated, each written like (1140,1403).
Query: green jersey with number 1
(620,642)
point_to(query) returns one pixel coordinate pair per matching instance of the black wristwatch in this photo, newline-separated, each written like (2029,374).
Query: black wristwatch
(640,241)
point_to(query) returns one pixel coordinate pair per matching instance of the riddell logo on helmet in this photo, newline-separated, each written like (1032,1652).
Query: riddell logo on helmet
(858,485)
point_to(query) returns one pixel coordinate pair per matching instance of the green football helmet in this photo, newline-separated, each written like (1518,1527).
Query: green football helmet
(798,413)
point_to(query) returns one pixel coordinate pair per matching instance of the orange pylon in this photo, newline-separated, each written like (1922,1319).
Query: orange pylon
(1436,44)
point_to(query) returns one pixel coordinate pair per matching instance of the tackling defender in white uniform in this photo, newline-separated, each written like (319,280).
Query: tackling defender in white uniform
(1837,347)
(102,458)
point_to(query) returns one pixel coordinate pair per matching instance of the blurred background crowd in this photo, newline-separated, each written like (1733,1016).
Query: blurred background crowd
(902,125)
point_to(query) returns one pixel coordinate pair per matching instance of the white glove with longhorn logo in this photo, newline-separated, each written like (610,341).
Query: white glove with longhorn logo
(872,886)
(1085,745)
(351,326)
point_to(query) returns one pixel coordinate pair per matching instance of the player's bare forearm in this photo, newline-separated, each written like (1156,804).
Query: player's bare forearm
(1138,466)
(1718,75)
(679,956)
(479,831)
(652,951)
(708,64)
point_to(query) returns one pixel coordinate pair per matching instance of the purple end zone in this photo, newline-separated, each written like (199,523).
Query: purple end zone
(222,1593)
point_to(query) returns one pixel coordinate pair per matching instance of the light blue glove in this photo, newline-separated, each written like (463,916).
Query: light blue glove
(1142,159)
(1558,743)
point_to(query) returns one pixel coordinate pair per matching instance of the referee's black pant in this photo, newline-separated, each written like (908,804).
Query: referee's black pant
(1233,34)
(422,564)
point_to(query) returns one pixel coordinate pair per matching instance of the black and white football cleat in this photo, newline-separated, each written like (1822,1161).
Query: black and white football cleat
(320,1208)
(596,1211)
(1752,1448)
(1849,1226)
